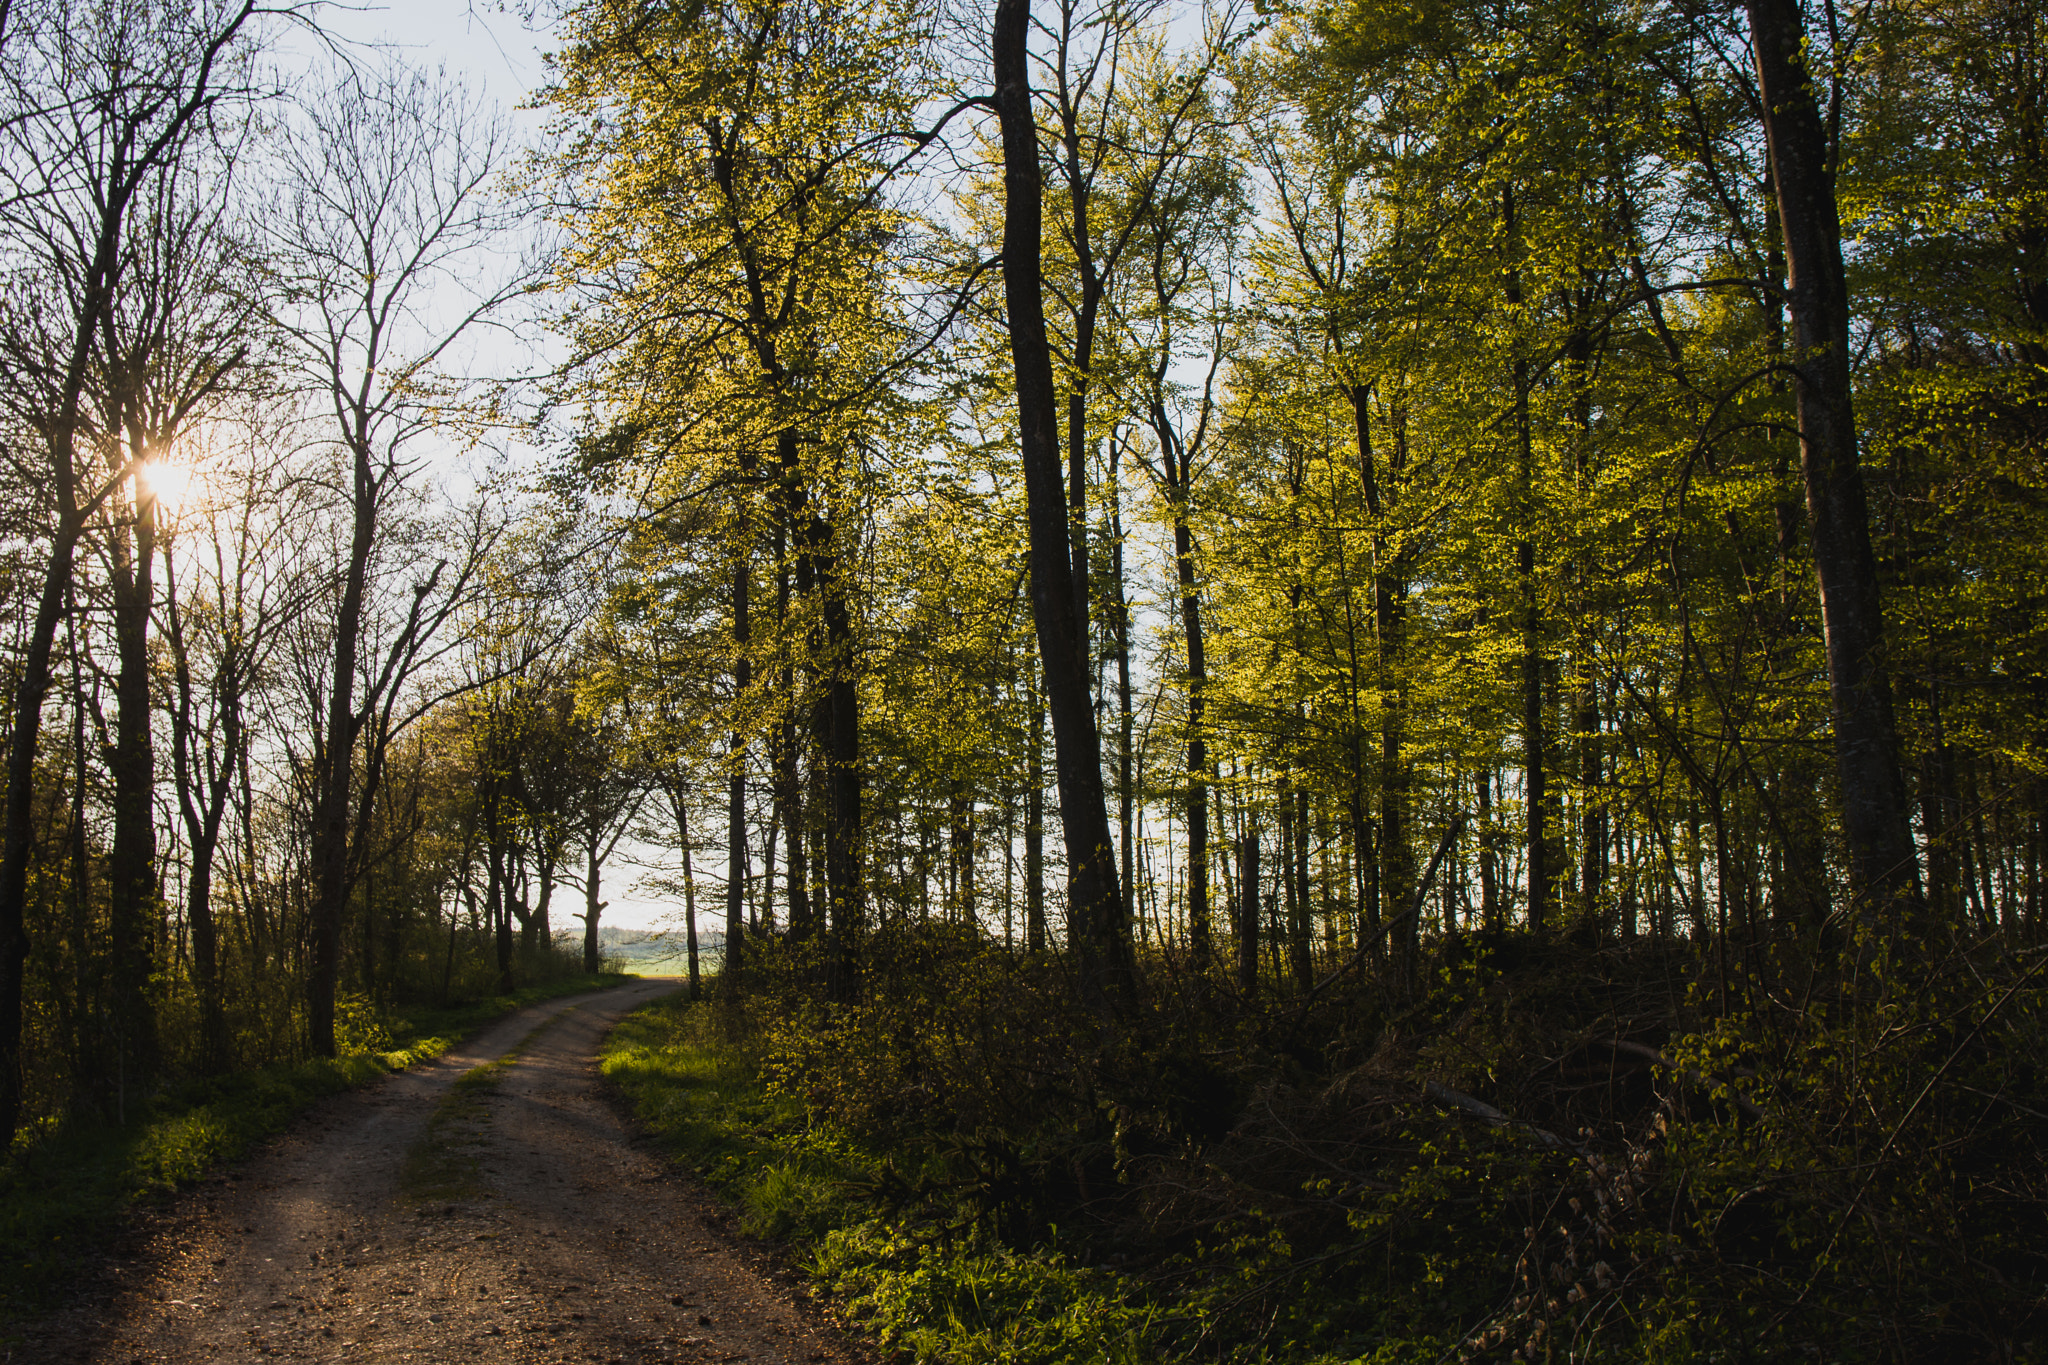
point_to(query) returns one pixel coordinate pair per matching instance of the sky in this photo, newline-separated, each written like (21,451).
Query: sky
(486,43)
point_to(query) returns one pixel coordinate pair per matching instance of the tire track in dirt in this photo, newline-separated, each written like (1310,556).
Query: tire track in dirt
(528,1226)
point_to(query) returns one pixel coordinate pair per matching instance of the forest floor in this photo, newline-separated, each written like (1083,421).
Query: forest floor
(493,1205)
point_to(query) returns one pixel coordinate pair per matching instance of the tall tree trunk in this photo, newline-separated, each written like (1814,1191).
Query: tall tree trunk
(1592,813)
(1303,926)
(960,855)
(134,916)
(1883,863)
(1034,813)
(1009,867)
(1292,837)
(544,869)
(1247,926)
(593,908)
(843,778)
(1080,194)
(1579,349)
(796,871)
(736,783)
(529,921)
(1095,904)
(789,787)
(680,798)
(1390,612)
(1126,723)
(1178,466)
(1397,861)
(1199,920)
(334,770)
(1534,797)
(1364,864)
(88,1076)
(206,963)
(1489,893)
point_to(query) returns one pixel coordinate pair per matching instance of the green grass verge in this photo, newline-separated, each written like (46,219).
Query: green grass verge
(933,1293)
(65,1194)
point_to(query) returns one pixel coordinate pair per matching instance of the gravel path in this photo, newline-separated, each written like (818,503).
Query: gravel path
(422,1221)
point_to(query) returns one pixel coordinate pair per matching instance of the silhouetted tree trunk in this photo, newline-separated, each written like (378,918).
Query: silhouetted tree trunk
(681,802)
(134,915)
(1247,926)
(1034,812)
(1883,863)
(842,753)
(788,774)
(736,784)
(593,908)
(1095,906)
(1534,797)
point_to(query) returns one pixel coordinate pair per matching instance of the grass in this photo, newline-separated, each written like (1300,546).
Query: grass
(704,1101)
(66,1193)
(935,1293)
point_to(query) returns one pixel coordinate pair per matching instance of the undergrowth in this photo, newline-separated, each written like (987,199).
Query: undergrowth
(1549,1151)
(65,1191)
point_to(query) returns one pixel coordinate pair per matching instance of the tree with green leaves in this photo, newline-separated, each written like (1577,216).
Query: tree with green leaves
(732,166)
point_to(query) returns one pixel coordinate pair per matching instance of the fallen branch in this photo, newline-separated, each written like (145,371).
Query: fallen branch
(1486,1113)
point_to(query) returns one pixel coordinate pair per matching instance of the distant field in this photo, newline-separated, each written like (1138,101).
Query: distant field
(662,959)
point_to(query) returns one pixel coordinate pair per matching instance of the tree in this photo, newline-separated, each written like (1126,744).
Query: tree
(1884,864)
(731,166)
(387,192)
(610,788)
(1095,903)
(223,629)
(174,334)
(99,105)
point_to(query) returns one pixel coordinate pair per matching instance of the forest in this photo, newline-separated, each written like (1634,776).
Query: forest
(1374,672)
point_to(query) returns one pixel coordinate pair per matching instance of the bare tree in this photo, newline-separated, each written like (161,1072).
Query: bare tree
(174,333)
(388,258)
(222,627)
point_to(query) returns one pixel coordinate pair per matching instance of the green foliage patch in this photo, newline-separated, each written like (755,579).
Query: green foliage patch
(1554,1155)
(796,1176)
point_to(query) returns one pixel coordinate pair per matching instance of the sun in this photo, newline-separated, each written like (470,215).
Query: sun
(167,483)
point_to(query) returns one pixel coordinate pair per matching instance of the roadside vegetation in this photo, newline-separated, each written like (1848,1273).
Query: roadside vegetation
(1560,1152)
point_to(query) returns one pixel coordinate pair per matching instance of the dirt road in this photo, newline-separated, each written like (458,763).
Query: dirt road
(508,1218)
